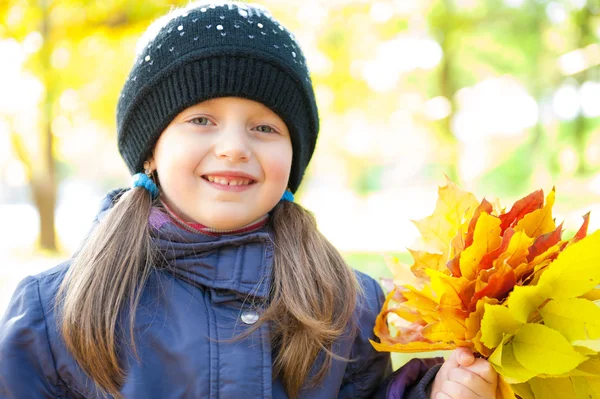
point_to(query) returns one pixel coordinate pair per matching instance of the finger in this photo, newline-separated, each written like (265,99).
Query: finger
(458,391)
(464,357)
(442,395)
(470,380)
(483,369)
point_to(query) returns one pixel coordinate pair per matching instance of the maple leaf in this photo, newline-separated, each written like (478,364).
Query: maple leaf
(507,286)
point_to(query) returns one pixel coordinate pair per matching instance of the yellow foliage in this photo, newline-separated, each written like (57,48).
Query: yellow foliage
(507,286)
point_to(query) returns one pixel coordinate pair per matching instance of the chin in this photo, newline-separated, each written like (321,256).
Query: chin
(230,222)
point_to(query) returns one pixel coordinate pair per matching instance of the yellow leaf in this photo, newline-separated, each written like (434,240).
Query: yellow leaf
(575,271)
(591,366)
(504,390)
(523,300)
(572,385)
(448,288)
(539,221)
(425,260)
(523,390)
(480,347)
(497,321)
(452,207)
(504,361)
(591,344)
(517,251)
(593,295)
(582,350)
(402,273)
(574,318)
(413,347)
(555,388)
(473,326)
(438,332)
(586,387)
(486,238)
(473,322)
(544,350)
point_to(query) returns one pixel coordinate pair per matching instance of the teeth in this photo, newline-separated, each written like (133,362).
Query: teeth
(226,182)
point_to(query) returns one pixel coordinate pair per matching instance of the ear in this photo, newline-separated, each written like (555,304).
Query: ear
(150,164)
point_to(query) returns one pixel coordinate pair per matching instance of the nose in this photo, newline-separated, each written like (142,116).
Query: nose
(232,144)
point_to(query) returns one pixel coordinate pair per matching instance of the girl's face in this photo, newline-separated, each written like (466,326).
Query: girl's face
(224,162)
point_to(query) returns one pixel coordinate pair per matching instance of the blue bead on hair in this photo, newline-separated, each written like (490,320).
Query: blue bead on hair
(141,180)
(287,196)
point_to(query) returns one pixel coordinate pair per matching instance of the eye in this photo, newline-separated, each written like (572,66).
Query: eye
(265,129)
(200,120)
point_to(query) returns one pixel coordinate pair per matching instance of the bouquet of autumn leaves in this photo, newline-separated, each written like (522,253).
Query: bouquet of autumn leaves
(508,286)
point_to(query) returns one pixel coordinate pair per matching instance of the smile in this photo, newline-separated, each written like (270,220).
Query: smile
(228,184)
(228,181)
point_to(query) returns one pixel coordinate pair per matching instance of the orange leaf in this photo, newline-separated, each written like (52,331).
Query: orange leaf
(406,333)
(453,265)
(544,242)
(486,239)
(489,258)
(539,221)
(486,207)
(499,285)
(550,254)
(517,250)
(583,229)
(522,207)
(413,347)
(448,289)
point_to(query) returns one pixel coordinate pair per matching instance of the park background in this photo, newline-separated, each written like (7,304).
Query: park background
(502,96)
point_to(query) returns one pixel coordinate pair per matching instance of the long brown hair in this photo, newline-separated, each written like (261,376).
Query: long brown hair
(312,301)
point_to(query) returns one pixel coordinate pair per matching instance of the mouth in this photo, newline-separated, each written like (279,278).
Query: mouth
(229,180)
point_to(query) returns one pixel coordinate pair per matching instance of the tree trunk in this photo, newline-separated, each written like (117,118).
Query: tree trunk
(43,181)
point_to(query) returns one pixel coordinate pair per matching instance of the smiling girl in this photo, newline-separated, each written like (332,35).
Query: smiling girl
(205,279)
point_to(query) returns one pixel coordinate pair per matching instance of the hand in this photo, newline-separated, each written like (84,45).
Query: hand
(464,377)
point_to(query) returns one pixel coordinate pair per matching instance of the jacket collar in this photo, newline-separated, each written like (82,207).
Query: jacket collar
(241,263)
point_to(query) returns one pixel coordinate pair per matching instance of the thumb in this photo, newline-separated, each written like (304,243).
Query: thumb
(464,357)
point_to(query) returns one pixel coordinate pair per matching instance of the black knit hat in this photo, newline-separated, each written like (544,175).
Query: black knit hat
(216,50)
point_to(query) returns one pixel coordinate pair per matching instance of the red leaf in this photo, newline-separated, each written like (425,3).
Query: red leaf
(489,258)
(454,266)
(521,208)
(583,229)
(484,206)
(544,242)
(499,284)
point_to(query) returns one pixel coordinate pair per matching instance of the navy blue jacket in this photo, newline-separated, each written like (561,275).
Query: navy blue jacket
(188,313)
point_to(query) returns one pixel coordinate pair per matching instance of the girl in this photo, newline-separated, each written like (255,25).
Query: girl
(205,279)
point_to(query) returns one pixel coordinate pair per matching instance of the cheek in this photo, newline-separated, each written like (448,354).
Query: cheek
(176,164)
(277,165)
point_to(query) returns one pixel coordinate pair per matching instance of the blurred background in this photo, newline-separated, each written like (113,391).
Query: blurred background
(503,96)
